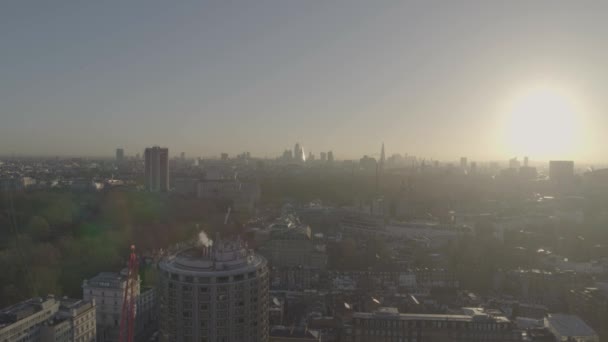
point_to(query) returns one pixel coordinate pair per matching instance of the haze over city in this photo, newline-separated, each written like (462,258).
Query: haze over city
(301,170)
(488,80)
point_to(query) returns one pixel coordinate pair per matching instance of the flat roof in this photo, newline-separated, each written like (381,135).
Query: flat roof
(22,310)
(393,313)
(569,325)
(106,279)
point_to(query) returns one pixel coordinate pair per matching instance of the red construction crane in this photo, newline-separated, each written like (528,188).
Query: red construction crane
(127,320)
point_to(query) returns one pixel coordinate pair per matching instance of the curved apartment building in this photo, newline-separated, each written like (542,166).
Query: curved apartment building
(217,293)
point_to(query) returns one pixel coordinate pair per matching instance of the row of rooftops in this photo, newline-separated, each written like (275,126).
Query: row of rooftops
(27,308)
(75,306)
(24,309)
(469,315)
(285,227)
(560,325)
(364,221)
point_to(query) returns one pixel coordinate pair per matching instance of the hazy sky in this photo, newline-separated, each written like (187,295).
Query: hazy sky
(430,78)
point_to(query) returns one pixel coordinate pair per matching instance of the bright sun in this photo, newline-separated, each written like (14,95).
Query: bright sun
(542,122)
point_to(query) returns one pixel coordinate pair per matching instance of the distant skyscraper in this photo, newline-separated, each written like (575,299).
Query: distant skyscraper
(473,167)
(368,164)
(528,173)
(298,153)
(182,155)
(323,156)
(525,161)
(464,163)
(287,155)
(157,169)
(382,159)
(561,171)
(120,154)
(330,156)
(514,163)
(224,156)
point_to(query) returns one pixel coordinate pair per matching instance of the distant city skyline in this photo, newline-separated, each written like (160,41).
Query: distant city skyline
(324,156)
(483,79)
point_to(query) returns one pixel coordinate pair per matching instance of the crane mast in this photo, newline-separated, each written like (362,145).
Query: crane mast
(127,320)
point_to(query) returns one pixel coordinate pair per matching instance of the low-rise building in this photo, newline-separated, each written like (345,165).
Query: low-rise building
(49,320)
(146,320)
(539,286)
(294,278)
(22,321)
(292,246)
(570,328)
(293,334)
(591,304)
(431,233)
(74,322)
(387,324)
(108,290)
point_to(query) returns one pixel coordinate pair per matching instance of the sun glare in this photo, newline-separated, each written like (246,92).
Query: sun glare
(543,123)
